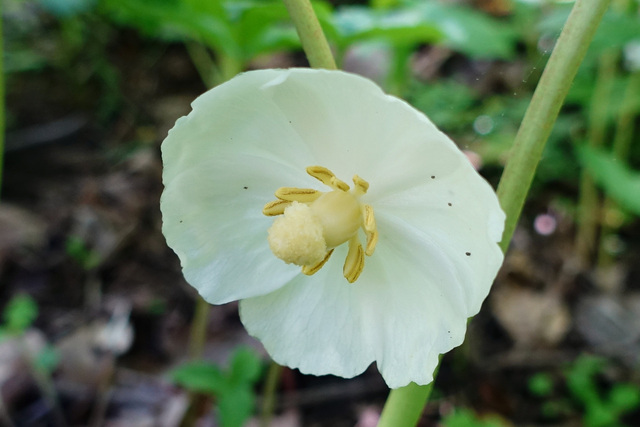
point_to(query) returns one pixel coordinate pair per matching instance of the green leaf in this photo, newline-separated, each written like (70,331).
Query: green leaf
(235,406)
(624,397)
(448,103)
(262,27)
(66,8)
(541,384)
(400,27)
(580,380)
(246,367)
(77,249)
(179,20)
(202,377)
(468,30)
(615,30)
(467,418)
(619,182)
(19,314)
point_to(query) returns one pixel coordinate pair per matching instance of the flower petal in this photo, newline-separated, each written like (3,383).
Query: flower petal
(222,163)
(438,221)
(400,312)
(352,127)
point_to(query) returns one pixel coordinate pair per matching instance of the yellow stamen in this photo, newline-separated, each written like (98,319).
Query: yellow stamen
(313,223)
(354,263)
(276,207)
(312,269)
(327,177)
(369,225)
(361,185)
(302,195)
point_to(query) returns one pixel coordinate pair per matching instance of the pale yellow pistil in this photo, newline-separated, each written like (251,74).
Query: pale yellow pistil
(312,223)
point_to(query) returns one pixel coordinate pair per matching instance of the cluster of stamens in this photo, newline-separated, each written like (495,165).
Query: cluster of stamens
(312,223)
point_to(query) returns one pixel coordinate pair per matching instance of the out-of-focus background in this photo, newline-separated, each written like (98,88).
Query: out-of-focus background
(96,315)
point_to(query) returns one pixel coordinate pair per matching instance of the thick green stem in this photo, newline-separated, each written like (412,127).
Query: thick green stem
(589,208)
(314,42)
(544,108)
(404,405)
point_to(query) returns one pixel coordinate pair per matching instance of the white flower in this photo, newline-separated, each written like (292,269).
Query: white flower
(436,223)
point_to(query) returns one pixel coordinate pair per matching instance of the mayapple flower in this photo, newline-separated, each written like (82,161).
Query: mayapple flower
(331,274)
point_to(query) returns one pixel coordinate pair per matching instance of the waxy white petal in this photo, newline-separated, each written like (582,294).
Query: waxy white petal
(438,221)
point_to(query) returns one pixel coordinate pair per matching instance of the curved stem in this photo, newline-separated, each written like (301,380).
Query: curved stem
(314,42)
(544,108)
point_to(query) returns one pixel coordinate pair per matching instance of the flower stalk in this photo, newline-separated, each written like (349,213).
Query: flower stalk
(544,108)
(313,41)
(405,405)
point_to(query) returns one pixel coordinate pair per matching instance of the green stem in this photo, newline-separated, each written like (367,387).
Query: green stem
(269,394)
(544,108)
(202,60)
(404,405)
(589,208)
(626,118)
(314,43)
(621,145)
(198,331)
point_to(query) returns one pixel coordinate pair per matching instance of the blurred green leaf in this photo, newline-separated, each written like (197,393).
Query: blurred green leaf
(19,314)
(448,103)
(233,389)
(66,8)
(400,27)
(177,20)
(580,379)
(246,367)
(77,249)
(615,30)
(236,406)
(541,384)
(624,397)
(261,27)
(467,418)
(468,30)
(200,376)
(619,182)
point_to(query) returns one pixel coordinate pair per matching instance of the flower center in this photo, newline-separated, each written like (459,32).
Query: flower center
(312,223)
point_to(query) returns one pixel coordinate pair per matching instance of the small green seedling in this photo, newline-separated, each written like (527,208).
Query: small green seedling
(18,315)
(601,409)
(78,250)
(468,418)
(233,389)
